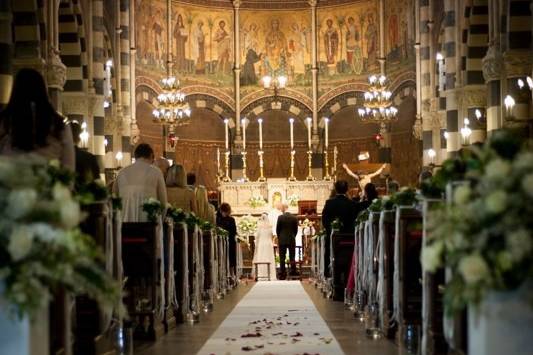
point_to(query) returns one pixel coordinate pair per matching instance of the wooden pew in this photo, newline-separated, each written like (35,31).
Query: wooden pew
(169,320)
(385,277)
(208,265)
(408,273)
(342,247)
(88,317)
(142,270)
(359,294)
(181,265)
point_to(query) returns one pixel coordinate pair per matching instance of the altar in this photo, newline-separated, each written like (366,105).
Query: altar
(239,194)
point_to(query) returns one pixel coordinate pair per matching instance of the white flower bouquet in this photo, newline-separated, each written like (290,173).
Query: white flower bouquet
(308,227)
(485,235)
(293,199)
(153,209)
(247,226)
(41,247)
(256,201)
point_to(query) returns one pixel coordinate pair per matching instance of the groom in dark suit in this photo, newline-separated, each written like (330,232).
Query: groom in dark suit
(286,230)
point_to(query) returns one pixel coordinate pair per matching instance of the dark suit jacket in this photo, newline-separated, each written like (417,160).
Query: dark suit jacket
(340,207)
(286,229)
(228,223)
(87,167)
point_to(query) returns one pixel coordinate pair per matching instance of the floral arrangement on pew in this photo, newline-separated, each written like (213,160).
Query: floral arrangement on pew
(176,214)
(41,247)
(362,217)
(153,209)
(91,192)
(222,232)
(256,201)
(206,226)
(407,196)
(293,199)
(485,235)
(336,225)
(192,220)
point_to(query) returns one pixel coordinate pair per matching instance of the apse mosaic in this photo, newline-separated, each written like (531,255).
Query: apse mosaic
(348,43)
(275,43)
(201,43)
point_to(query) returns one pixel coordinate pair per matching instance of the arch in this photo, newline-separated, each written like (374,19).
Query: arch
(401,90)
(147,93)
(284,103)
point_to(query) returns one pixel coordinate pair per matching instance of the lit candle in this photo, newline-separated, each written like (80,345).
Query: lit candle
(260,121)
(243,123)
(227,133)
(326,122)
(291,121)
(509,104)
(309,132)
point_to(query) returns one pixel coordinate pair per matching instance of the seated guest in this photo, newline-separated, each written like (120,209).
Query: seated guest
(137,183)
(179,194)
(341,207)
(87,168)
(212,216)
(203,202)
(30,124)
(225,221)
(163,165)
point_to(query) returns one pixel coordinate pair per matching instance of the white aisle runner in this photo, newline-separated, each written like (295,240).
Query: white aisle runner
(275,317)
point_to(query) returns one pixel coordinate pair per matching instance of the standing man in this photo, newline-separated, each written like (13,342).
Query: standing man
(286,230)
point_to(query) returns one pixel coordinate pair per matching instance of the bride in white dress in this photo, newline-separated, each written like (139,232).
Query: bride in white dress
(264,249)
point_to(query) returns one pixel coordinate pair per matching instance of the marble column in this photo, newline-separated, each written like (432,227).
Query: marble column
(450,48)
(134,131)
(124,82)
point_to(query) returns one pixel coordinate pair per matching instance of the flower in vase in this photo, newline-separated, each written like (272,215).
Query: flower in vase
(518,244)
(524,161)
(462,194)
(527,185)
(496,202)
(20,242)
(498,170)
(473,268)
(20,202)
(431,257)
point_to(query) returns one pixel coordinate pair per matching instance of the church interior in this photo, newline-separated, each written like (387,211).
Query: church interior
(266,177)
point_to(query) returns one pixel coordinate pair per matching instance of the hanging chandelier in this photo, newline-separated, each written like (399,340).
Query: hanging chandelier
(171,109)
(377,107)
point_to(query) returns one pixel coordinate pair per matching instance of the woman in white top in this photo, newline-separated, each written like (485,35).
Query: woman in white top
(137,183)
(264,249)
(30,124)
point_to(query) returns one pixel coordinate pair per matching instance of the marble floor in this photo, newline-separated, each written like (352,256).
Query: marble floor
(189,339)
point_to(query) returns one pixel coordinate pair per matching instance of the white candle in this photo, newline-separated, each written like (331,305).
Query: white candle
(227,133)
(260,121)
(309,132)
(218,159)
(243,123)
(326,121)
(291,121)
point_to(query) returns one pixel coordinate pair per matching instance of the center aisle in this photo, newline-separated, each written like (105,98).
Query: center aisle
(275,317)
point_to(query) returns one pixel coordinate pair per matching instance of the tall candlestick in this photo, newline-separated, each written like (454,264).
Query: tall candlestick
(309,120)
(291,121)
(226,128)
(260,121)
(243,124)
(326,122)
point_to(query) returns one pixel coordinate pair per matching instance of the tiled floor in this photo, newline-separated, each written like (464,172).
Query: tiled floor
(350,334)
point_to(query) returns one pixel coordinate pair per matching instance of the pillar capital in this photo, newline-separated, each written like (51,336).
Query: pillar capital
(492,63)
(312,3)
(56,71)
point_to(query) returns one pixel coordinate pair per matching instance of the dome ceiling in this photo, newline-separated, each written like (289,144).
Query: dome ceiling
(266,4)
